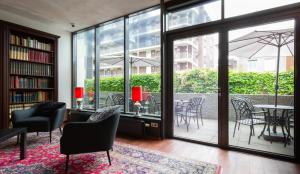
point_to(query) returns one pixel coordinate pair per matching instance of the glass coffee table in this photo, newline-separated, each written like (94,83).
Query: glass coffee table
(11,132)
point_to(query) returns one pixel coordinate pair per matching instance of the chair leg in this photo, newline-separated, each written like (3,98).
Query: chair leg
(250,134)
(108,156)
(67,163)
(37,133)
(234,128)
(197,122)
(50,135)
(18,139)
(60,130)
(201,117)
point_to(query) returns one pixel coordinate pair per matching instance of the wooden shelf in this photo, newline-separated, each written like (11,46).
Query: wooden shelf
(36,49)
(33,102)
(24,75)
(28,69)
(42,63)
(31,89)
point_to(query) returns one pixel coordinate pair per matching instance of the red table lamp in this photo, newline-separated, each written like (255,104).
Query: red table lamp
(79,96)
(136,98)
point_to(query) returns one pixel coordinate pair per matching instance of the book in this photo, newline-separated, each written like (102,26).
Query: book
(17,82)
(26,97)
(28,68)
(29,42)
(18,53)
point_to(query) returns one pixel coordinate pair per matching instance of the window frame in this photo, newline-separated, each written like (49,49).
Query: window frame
(125,19)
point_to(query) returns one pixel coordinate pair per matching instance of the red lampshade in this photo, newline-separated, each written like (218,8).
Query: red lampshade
(79,92)
(137,93)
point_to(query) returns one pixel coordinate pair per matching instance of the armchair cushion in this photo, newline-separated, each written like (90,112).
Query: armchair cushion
(103,113)
(48,108)
(37,123)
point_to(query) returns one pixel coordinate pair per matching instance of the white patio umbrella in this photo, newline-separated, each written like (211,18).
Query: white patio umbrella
(258,44)
(133,61)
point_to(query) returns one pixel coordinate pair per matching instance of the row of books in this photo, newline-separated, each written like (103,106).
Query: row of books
(18,97)
(19,53)
(27,68)
(29,42)
(33,83)
(15,107)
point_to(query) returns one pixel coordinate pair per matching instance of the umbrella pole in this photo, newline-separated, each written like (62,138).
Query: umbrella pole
(277,70)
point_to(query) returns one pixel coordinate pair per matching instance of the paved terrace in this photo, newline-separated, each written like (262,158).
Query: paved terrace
(209,133)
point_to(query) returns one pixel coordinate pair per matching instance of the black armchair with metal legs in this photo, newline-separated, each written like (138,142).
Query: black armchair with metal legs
(86,137)
(42,117)
(245,115)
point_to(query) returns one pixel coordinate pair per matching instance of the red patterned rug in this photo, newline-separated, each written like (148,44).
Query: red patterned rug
(45,158)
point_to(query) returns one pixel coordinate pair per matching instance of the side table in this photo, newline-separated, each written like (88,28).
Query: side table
(11,132)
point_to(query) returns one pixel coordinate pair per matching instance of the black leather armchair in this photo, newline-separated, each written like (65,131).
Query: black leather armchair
(84,137)
(42,117)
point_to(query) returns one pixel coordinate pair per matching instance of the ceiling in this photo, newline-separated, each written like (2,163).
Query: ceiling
(82,13)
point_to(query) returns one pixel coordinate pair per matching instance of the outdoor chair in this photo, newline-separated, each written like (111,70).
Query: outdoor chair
(153,104)
(290,122)
(245,115)
(192,109)
(115,100)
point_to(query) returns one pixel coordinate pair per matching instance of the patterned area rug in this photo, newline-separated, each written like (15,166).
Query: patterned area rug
(45,158)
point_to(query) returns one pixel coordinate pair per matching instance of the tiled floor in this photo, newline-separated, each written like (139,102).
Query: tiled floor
(208,133)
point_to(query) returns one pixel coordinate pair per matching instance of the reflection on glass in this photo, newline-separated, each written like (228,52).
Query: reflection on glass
(196,88)
(238,7)
(85,66)
(144,60)
(257,106)
(198,14)
(110,45)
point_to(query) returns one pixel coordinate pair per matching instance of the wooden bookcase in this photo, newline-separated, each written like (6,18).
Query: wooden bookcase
(29,73)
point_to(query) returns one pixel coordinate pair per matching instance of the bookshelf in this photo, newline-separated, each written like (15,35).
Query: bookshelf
(29,61)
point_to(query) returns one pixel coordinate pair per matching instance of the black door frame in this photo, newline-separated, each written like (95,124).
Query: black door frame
(222,27)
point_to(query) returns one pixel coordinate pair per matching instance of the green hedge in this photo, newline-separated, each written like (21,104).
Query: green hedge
(205,81)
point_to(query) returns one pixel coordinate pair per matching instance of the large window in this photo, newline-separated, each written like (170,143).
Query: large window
(123,59)
(110,50)
(144,59)
(240,7)
(85,69)
(198,14)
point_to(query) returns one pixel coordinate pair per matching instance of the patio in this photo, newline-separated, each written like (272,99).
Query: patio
(209,133)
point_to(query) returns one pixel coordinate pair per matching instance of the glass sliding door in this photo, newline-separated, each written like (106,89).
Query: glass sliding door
(261,87)
(195,84)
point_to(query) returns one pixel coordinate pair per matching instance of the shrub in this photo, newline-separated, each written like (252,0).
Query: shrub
(205,81)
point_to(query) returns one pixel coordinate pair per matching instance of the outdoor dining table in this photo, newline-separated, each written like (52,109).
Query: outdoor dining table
(274,136)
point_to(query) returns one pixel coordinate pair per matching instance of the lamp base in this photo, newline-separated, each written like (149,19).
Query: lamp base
(137,105)
(79,106)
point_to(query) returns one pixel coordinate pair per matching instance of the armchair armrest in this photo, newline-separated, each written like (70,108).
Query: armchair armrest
(19,115)
(58,117)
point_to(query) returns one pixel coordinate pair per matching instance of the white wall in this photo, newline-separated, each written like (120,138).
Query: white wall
(64,51)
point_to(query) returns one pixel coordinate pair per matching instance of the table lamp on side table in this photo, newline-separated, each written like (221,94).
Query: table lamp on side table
(136,98)
(79,97)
